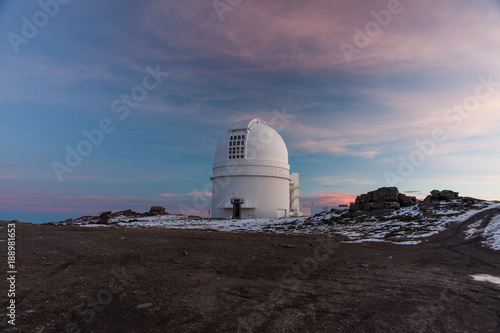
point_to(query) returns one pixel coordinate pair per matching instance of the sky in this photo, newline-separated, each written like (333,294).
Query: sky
(111,105)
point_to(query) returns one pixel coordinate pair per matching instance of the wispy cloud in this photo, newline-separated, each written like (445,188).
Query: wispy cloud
(332,198)
(296,34)
(199,193)
(337,180)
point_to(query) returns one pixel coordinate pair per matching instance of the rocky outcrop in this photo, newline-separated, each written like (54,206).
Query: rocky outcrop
(127,212)
(437,196)
(383,200)
(157,210)
(104,217)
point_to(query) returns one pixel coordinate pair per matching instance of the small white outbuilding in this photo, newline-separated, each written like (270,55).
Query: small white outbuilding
(251,175)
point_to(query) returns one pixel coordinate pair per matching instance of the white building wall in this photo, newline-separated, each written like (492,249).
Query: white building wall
(295,195)
(260,172)
(263,196)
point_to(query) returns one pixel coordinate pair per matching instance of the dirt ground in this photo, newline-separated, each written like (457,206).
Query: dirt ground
(77,279)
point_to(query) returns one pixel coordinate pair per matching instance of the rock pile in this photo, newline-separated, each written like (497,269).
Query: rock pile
(388,199)
(381,201)
(437,196)
(450,198)
(157,210)
(105,217)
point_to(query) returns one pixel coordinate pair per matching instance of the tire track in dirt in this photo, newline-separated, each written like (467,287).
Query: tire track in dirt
(454,239)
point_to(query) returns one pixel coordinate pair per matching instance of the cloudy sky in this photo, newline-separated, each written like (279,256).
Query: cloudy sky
(109,105)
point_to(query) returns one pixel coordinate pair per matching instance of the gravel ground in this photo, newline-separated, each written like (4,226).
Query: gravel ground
(114,279)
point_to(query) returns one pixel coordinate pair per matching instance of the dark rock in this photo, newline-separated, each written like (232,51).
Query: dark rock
(437,196)
(448,195)
(157,210)
(406,201)
(394,205)
(470,200)
(381,212)
(385,199)
(352,208)
(104,217)
(127,212)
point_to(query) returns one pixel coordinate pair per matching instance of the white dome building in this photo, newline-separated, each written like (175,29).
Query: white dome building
(251,175)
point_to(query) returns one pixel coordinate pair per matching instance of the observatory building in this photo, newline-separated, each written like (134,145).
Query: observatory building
(251,175)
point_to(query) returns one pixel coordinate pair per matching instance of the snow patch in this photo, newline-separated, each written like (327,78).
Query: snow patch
(492,233)
(406,226)
(487,278)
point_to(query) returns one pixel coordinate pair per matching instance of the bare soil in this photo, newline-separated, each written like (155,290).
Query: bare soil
(77,279)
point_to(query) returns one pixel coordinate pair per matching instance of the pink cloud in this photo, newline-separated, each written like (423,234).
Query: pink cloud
(169,195)
(110,198)
(199,193)
(307,34)
(332,198)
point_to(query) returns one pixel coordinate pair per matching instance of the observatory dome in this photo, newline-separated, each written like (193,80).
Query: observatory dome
(252,140)
(251,175)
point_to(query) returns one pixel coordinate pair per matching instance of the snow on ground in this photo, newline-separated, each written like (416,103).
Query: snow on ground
(406,226)
(486,277)
(492,233)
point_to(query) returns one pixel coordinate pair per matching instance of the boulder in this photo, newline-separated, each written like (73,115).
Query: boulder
(352,208)
(104,217)
(157,210)
(127,212)
(437,196)
(469,200)
(382,200)
(406,201)
(448,195)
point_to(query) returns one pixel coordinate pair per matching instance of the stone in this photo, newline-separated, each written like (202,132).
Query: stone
(127,212)
(470,200)
(445,195)
(144,305)
(435,194)
(104,217)
(448,195)
(381,212)
(157,210)
(384,199)
(394,205)
(352,208)
(406,201)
